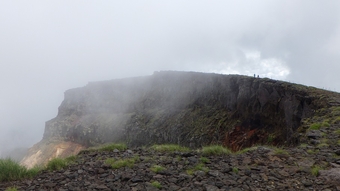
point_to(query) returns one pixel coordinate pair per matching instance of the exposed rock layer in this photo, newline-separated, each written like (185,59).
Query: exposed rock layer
(187,108)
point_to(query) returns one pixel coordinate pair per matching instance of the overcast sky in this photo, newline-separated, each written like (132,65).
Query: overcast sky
(47,47)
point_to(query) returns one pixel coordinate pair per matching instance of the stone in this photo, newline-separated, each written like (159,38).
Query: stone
(101,187)
(306,163)
(307,183)
(283,173)
(211,188)
(136,179)
(337,152)
(214,173)
(314,134)
(331,176)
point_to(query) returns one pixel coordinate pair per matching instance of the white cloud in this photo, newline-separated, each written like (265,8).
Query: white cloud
(253,64)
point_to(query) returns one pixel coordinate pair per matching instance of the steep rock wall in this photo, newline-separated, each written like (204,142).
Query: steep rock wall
(188,108)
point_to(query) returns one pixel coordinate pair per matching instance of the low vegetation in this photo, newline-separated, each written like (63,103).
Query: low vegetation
(113,146)
(325,124)
(198,167)
(119,163)
(157,168)
(310,151)
(11,189)
(315,170)
(315,126)
(201,167)
(246,150)
(170,148)
(204,160)
(336,120)
(322,145)
(107,147)
(215,150)
(271,138)
(156,184)
(56,164)
(190,171)
(235,170)
(59,163)
(337,131)
(280,151)
(11,170)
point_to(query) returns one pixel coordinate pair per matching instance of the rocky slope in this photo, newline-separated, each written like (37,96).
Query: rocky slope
(260,168)
(186,108)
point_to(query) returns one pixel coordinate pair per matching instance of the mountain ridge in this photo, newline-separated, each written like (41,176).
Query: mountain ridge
(187,108)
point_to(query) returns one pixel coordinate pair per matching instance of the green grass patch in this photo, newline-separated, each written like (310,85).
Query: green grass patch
(336,109)
(201,167)
(324,140)
(235,170)
(337,120)
(156,184)
(71,159)
(327,121)
(120,163)
(113,146)
(215,150)
(321,145)
(270,138)
(315,126)
(170,148)
(11,170)
(157,168)
(310,151)
(204,160)
(246,150)
(198,167)
(11,189)
(303,145)
(315,170)
(325,124)
(190,171)
(57,164)
(280,151)
(337,131)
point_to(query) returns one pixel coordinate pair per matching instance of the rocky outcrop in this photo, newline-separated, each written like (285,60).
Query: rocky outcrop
(44,151)
(187,108)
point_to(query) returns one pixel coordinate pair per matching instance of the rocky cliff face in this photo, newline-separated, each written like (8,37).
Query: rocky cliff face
(187,108)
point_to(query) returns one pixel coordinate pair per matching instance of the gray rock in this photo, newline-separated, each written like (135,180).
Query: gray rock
(211,188)
(331,176)
(337,152)
(306,163)
(314,134)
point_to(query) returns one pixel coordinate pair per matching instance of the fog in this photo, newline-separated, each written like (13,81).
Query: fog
(47,47)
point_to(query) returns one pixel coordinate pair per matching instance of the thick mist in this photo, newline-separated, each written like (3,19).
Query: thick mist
(48,47)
